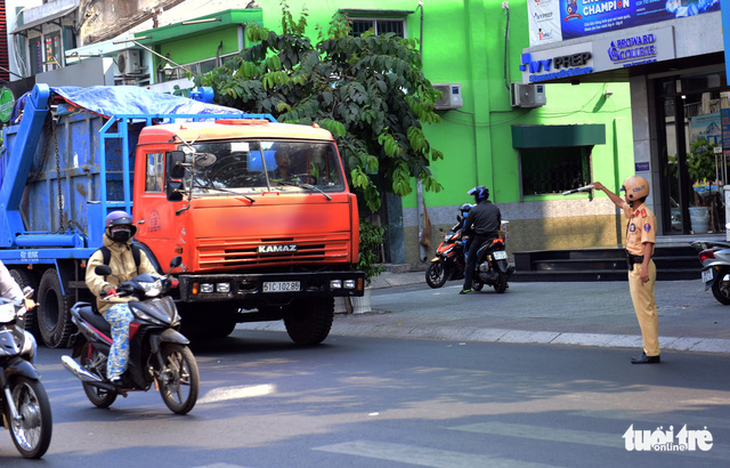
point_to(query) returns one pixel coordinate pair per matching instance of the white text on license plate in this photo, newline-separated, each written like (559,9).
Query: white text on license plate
(281,286)
(707,275)
(499,255)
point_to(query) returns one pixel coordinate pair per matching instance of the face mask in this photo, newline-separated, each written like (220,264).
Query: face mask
(121,234)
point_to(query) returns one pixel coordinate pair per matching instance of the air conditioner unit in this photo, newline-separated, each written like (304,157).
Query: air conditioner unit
(129,62)
(452,96)
(527,95)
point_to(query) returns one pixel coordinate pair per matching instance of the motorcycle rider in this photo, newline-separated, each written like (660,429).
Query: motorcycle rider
(481,225)
(9,288)
(640,240)
(122,260)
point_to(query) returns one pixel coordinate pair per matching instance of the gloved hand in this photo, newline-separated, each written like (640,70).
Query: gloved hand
(110,292)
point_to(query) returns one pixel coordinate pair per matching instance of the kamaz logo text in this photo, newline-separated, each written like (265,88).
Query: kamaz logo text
(270,249)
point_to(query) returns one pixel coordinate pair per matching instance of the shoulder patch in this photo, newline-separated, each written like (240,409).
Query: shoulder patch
(647,227)
(643,213)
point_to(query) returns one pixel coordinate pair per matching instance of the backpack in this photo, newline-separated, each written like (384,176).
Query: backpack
(136,253)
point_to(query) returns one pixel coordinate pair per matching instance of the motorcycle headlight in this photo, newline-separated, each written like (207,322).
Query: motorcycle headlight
(7,312)
(153,289)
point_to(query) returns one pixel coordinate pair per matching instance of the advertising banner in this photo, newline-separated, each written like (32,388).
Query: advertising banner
(579,18)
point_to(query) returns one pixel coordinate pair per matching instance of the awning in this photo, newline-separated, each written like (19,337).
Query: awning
(45,19)
(199,25)
(544,136)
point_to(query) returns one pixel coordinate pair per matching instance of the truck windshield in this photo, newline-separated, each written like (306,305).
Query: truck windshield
(251,166)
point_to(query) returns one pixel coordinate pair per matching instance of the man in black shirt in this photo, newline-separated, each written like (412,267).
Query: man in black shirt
(482,225)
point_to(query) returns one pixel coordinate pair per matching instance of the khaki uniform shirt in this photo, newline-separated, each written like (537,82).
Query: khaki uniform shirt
(640,229)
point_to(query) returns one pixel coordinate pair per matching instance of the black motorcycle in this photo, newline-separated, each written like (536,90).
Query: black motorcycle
(492,267)
(158,353)
(26,410)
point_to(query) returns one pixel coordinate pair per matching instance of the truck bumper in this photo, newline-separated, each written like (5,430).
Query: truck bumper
(265,288)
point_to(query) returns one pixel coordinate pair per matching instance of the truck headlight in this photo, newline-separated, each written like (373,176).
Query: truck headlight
(336,284)
(350,284)
(207,288)
(223,287)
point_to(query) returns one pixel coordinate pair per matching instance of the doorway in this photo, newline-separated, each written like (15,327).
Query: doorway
(691,110)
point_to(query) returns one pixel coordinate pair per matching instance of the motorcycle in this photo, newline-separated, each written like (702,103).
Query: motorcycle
(26,411)
(492,267)
(158,353)
(450,258)
(715,259)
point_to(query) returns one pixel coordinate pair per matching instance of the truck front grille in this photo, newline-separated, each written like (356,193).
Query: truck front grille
(242,252)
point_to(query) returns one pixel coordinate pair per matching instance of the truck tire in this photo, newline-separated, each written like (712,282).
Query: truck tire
(26,278)
(309,321)
(54,316)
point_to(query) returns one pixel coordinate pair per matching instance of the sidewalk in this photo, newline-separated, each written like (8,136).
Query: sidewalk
(583,314)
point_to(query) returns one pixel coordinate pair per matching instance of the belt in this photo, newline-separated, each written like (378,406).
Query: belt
(634,259)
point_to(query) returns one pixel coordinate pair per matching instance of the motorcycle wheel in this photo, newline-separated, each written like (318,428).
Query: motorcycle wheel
(436,274)
(31,434)
(179,379)
(501,285)
(97,396)
(721,287)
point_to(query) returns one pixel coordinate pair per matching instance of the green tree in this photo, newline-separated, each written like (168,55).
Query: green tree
(369,91)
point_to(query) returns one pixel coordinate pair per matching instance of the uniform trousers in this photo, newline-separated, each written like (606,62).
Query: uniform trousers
(642,295)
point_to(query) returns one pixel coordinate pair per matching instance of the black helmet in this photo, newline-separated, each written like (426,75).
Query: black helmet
(465,208)
(480,193)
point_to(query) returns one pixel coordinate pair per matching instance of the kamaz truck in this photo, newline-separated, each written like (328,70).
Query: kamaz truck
(260,211)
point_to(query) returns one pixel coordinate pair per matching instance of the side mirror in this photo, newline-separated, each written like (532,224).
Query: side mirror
(175,168)
(174,191)
(175,262)
(103,270)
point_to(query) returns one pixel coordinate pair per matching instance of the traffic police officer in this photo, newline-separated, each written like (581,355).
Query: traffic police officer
(640,240)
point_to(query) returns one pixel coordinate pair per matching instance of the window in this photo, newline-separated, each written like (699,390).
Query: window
(53,50)
(554,170)
(379,26)
(153,176)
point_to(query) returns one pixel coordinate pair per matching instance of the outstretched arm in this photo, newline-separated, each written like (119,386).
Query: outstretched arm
(617,200)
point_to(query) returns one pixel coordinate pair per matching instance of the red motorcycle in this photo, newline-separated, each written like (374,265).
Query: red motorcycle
(450,258)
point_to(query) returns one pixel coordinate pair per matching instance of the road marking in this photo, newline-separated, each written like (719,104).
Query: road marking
(632,417)
(236,393)
(551,434)
(422,456)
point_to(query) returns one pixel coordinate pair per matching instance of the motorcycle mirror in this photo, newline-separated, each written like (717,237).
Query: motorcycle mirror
(103,270)
(175,262)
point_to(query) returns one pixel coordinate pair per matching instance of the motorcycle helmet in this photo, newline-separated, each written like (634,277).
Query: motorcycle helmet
(636,188)
(465,208)
(120,218)
(480,193)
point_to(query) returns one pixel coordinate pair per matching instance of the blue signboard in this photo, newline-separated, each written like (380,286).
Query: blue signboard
(559,20)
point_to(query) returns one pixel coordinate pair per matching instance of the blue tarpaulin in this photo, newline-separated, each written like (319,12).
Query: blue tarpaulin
(120,100)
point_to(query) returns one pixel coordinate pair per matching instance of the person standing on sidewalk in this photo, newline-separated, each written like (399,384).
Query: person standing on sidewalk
(640,240)
(481,225)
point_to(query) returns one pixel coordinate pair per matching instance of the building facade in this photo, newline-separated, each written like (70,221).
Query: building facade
(527,142)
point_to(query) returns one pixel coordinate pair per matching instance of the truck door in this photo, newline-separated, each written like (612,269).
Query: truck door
(153,213)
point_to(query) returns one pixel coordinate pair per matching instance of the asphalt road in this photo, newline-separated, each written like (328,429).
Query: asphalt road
(370,402)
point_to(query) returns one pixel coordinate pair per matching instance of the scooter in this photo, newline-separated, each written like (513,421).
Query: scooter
(492,267)
(715,259)
(158,353)
(26,411)
(450,258)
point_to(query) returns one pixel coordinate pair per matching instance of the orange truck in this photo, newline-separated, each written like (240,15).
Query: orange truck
(260,211)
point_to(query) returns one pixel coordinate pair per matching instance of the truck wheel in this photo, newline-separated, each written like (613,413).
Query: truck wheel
(26,278)
(309,321)
(54,318)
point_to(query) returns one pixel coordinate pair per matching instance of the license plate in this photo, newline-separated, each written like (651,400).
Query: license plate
(499,255)
(281,286)
(708,275)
